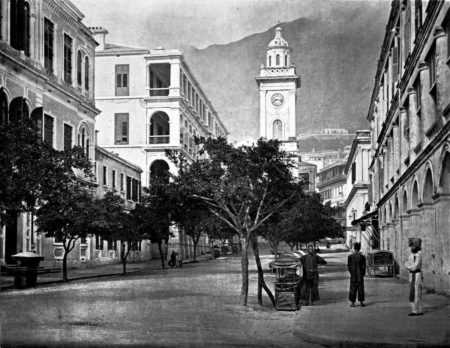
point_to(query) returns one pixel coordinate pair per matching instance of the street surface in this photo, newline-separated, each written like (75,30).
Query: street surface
(198,306)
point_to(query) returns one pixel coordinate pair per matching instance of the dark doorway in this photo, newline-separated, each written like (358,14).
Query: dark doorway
(10,239)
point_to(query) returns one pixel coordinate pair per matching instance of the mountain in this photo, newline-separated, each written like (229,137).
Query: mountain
(335,56)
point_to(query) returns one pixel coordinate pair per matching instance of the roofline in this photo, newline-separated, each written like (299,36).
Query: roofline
(118,158)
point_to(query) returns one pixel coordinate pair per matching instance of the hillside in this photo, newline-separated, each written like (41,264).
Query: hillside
(335,57)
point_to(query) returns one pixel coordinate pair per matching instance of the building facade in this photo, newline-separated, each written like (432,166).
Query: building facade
(46,73)
(332,183)
(409,117)
(358,191)
(151,102)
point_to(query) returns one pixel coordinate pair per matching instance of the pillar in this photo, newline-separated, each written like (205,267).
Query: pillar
(442,72)
(428,111)
(427,233)
(404,143)
(174,79)
(403,243)
(413,124)
(395,150)
(442,242)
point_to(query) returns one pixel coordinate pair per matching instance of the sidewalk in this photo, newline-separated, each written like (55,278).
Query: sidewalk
(110,270)
(384,322)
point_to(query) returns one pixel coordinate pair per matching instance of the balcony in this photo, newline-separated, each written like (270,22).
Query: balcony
(159,139)
(159,92)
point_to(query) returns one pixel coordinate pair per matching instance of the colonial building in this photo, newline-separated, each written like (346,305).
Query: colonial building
(358,191)
(332,183)
(151,102)
(46,73)
(409,116)
(117,175)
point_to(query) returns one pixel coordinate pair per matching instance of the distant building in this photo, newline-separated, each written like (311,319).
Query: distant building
(307,173)
(46,74)
(151,102)
(358,191)
(409,117)
(332,183)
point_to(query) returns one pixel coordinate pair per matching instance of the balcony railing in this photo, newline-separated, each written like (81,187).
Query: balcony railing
(159,139)
(159,92)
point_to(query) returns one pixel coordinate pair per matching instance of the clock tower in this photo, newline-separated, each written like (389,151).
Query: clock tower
(277,84)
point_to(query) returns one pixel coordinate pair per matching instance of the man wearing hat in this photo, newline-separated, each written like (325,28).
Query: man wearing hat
(414,266)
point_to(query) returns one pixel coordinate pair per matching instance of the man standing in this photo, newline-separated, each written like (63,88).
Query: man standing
(356,265)
(310,279)
(414,266)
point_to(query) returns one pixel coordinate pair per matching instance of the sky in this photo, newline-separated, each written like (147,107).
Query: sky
(199,23)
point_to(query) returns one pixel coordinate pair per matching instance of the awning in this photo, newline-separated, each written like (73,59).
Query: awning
(366,218)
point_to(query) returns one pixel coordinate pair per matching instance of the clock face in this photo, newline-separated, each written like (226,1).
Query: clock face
(277,99)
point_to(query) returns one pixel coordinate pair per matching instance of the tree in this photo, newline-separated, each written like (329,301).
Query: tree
(309,220)
(68,216)
(31,170)
(114,223)
(217,229)
(152,216)
(241,186)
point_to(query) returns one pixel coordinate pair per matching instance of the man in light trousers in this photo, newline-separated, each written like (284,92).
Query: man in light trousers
(414,266)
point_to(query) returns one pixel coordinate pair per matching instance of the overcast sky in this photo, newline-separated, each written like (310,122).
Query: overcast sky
(176,23)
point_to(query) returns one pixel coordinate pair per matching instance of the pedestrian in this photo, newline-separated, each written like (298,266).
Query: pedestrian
(356,265)
(173,259)
(414,266)
(310,279)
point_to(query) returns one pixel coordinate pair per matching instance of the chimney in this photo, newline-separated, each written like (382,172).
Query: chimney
(99,34)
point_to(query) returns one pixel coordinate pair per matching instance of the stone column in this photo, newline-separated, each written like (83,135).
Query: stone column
(427,233)
(428,105)
(396,149)
(404,144)
(174,79)
(442,72)
(262,114)
(442,242)
(413,124)
(403,243)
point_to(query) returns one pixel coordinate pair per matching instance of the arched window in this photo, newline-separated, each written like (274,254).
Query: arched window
(20,26)
(415,196)
(428,188)
(405,203)
(3,108)
(278,130)
(83,139)
(277,60)
(159,128)
(79,68)
(159,169)
(86,73)
(286,60)
(270,60)
(18,110)
(445,174)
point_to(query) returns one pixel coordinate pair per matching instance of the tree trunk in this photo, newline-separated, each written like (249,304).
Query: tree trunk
(195,250)
(261,283)
(161,254)
(123,259)
(65,278)
(244,266)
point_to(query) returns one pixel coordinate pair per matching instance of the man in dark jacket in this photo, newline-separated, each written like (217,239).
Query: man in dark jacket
(310,280)
(356,264)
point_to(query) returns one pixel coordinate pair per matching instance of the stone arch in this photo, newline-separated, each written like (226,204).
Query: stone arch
(18,109)
(84,137)
(428,187)
(3,106)
(159,169)
(444,180)
(396,208)
(159,128)
(415,195)
(405,202)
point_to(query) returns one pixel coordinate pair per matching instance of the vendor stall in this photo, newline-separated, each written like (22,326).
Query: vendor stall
(287,285)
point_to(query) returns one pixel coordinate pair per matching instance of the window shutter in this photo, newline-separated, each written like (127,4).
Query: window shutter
(48,129)
(20,33)
(407,30)
(36,117)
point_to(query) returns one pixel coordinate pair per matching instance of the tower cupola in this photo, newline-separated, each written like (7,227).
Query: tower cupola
(278,53)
